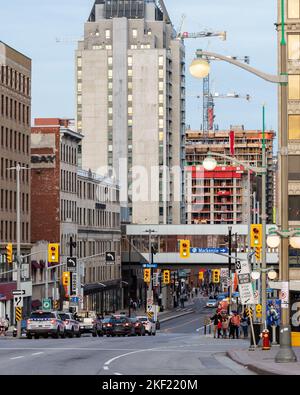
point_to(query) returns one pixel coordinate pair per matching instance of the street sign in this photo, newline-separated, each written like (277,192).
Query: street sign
(71,264)
(46,304)
(110,258)
(18,301)
(74,284)
(74,299)
(149,266)
(197,250)
(242,269)
(19,292)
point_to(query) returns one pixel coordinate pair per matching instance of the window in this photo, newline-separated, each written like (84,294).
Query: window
(107,34)
(130,61)
(294,87)
(110,98)
(161,73)
(110,110)
(129,97)
(97,46)
(160,123)
(130,110)
(161,60)
(129,73)
(129,85)
(294,127)
(161,111)
(293,46)
(161,86)
(110,85)
(79,99)
(79,87)
(161,99)
(161,136)
(134,33)
(293,9)
(110,60)
(79,62)
(294,208)
(133,46)
(294,167)
(79,74)
(110,73)
(108,47)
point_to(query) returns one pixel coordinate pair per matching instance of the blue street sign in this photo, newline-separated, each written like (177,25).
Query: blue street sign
(197,250)
(148,266)
(74,299)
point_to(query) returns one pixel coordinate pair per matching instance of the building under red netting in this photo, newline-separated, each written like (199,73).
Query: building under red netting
(216,197)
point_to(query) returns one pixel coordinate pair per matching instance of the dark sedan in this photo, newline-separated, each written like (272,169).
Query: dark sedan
(138,326)
(119,327)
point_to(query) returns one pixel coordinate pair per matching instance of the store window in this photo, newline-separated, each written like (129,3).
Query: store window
(294,127)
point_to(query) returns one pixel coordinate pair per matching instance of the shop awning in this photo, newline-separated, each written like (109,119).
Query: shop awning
(6,290)
(100,286)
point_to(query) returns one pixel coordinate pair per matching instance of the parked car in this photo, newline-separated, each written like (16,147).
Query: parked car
(138,326)
(212,303)
(45,323)
(149,325)
(71,325)
(90,323)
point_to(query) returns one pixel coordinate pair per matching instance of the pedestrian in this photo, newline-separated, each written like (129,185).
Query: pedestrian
(134,305)
(245,325)
(196,291)
(215,319)
(219,327)
(236,321)
(182,301)
(225,323)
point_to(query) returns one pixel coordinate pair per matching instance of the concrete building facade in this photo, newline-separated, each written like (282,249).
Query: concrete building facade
(15,109)
(131,106)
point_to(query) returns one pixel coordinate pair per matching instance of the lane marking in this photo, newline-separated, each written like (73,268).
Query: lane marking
(106,368)
(124,355)
(37,353)
(185,323)
(18,357)
(118,374)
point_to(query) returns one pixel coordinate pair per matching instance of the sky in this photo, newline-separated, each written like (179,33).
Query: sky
(32,26)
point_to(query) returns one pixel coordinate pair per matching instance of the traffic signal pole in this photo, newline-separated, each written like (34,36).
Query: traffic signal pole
(46,273)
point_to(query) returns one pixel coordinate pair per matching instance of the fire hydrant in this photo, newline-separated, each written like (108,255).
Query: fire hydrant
(265,335)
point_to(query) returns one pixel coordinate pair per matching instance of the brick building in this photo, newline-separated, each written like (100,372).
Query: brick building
(15,107)
(68,202)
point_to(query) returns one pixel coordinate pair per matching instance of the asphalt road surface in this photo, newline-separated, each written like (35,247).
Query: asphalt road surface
(177,349)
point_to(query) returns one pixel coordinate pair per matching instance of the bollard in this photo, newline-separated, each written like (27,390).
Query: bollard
(274,342)
(209,330)
(204,329)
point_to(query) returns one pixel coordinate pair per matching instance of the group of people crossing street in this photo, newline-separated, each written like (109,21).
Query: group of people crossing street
(230,325)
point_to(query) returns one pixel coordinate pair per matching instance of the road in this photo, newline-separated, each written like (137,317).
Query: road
(177,349)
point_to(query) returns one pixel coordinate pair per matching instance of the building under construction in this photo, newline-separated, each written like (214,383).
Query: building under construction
(220,196)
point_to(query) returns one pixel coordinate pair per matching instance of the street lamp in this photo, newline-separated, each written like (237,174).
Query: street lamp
(199,68)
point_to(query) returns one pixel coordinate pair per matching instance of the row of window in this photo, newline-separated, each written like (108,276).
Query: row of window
(8,201)
(13,109)
(102,273)
(98,218)
(132,46)
(94,247)
(68,181)
(68,154)
(15,80)
(14,140)
(12,174)
(8,231)
(68,210)
(96,192)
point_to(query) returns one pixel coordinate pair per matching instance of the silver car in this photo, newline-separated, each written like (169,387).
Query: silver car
(71,325)
(149,325)
(45,323)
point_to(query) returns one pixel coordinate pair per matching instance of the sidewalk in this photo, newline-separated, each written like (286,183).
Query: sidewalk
(263,362)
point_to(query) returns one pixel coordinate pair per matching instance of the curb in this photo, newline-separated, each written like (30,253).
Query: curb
(254,368)
(175,316)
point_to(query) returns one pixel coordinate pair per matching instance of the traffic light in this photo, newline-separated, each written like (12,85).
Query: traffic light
(53,253)
(258,253)
(216,276)
(147,275)
(9,253)
(166,277)
(66,278)
(184,248)
(200,275)
(256,235)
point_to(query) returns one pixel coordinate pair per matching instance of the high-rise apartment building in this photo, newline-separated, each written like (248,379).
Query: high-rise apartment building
(221,196)
(15,107)
(130,75)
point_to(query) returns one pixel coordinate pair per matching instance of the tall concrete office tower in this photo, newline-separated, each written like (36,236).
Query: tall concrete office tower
(131,106)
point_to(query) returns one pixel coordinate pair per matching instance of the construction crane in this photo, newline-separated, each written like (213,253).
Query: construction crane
(206,33)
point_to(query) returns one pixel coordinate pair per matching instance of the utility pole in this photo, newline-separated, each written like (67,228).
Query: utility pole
(229,266)
(150,288)
(18,168)
(46,273)
(264,228)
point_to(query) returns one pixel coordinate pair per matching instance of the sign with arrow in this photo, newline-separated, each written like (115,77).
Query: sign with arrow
(19,292)
(197,250)
(110,258)
(18,301)
(71,264)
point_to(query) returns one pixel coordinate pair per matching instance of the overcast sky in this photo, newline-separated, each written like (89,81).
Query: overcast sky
(32,26)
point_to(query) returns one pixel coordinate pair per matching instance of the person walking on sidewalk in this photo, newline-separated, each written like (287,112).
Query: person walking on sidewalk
(225,323)
(236,321)
(215,319)
(245,325)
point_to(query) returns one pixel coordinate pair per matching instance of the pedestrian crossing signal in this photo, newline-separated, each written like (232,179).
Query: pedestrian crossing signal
(166,277)
(147,275)
(184,248)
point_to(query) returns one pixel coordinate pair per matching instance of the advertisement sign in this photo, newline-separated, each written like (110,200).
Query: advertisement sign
(273,312)
(295,311)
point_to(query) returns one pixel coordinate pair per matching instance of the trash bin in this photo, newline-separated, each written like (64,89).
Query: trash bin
(257,332)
